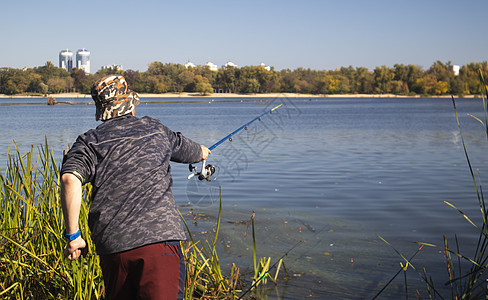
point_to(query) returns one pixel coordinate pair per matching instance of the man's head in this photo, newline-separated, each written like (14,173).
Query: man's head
(113,98)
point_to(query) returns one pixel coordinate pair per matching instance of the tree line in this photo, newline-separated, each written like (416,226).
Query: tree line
(439,79)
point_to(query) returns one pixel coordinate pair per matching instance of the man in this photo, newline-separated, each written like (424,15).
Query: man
(133,217)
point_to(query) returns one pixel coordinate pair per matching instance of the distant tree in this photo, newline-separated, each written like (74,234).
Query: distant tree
(441,87)
(226,79)
(439,79)
(470,76)
(414,73)
(383,77)
(443,72)
(249,86)
(408,75)
(109,71)
(303,86)
(185,81)
(133,79)
(205,72)
(36,85)
(155,68)
(155,84)
(429,85)
(202,85)
(337,84)
(10,87)
(51,71)
(457,86)
(396,87)
(365,81)
(288,81)
(14,81)
(81,81)
(350,78)
(269,81)
(56,85)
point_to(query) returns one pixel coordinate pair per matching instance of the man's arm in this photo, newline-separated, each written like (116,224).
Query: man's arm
(71,202)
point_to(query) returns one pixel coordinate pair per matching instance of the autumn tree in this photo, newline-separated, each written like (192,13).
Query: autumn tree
(185,81)
(383,77)
(133,79)
(160,77)
(202,85)
(364,83)
(470,77)
(226,79)
(14,81)
(51,71)
(81,81)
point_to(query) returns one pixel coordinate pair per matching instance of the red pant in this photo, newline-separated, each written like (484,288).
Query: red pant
(155,271)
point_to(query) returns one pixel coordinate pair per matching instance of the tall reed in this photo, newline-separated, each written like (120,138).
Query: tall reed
(471,283)
(32,264)
(204,278)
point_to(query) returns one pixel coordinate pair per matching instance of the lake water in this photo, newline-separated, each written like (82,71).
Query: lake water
(324,177)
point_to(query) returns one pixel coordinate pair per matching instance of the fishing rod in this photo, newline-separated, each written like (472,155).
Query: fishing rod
(208,170)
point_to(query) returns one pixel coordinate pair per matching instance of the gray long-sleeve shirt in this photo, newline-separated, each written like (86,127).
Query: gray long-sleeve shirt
(127,160)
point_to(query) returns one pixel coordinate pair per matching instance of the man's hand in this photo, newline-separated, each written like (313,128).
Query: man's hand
(74,248)
(205,152)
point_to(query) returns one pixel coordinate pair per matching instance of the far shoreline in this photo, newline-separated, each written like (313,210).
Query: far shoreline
(233,95)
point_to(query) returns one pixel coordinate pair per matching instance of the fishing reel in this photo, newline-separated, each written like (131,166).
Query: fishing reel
(207,171)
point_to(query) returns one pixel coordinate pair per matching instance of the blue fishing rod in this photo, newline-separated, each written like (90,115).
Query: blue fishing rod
(208,170)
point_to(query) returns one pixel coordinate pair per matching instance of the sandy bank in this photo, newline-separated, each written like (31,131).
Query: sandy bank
(230,95)
(174,95)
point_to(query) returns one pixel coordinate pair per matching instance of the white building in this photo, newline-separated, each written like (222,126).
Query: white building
(115,67)
(455,69)
(66,60)
(266,67)
(230,64)
(212,66)
(189,64)
(83,60)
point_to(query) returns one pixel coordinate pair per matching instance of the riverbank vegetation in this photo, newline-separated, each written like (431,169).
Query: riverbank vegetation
(32,264)
(409,80)
(466,271)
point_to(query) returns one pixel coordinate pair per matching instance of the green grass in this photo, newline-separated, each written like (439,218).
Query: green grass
(32,264)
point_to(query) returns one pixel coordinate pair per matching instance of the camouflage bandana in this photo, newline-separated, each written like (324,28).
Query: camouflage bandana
(113,98)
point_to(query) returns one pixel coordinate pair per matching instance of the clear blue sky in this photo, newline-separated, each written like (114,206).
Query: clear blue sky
(318,34)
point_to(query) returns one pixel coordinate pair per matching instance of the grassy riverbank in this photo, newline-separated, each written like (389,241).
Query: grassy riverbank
(32,265)
(230,95)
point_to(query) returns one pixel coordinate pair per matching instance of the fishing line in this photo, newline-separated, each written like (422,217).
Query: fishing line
(209,170)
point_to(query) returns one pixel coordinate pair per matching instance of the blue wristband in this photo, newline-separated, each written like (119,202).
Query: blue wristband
(73,236)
